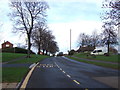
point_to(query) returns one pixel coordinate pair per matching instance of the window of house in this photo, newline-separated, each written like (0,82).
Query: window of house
(7,45)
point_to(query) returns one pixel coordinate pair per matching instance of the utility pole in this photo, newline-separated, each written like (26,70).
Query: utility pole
(70,39)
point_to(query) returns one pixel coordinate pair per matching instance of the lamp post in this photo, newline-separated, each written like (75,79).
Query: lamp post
(70,41)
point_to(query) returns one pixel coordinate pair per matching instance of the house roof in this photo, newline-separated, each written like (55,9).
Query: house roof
(7,42)
(86,48)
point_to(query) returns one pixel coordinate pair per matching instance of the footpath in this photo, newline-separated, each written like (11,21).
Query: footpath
(7,64)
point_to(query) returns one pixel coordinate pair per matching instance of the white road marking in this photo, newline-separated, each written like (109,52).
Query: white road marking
(63,71)
(76,81)
(38,66)
(69,76)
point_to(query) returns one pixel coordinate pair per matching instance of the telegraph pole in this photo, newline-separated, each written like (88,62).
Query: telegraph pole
(70,39)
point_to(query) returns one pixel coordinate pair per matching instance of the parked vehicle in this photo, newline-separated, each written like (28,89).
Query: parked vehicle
(98,52)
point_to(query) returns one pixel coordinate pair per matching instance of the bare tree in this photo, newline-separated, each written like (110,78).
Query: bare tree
(110,19)
(26,15)
(95,39)
(112,11)
(109,35)
(47,39)
(53,47)
(44,40)
(84,40)
(38,35)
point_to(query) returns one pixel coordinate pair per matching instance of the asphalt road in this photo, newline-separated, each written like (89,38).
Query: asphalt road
(60,72)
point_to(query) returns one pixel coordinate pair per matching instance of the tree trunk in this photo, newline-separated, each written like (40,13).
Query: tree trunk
(43,51)
(38,49)
(108,43)
(29,46)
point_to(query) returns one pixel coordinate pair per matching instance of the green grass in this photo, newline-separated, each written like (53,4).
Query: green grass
(113,66)
(33,59)
(111,58)
(13,74)
(10,56)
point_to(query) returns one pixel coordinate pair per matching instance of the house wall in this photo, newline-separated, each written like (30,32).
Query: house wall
(7,45)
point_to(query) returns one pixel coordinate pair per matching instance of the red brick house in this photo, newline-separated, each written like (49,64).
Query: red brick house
(85,48)
(7,44)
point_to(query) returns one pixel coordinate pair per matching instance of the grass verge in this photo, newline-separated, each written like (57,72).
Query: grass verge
(113,66)
(12,74)
(10,56)
(33,59)
(111,58)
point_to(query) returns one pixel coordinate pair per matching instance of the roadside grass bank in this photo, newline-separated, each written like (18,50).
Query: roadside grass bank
(111,58)
(10,56)
(113,66)
(13,74)
(16,74)
(34,58)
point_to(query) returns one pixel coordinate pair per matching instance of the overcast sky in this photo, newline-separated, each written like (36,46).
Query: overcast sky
(78,15)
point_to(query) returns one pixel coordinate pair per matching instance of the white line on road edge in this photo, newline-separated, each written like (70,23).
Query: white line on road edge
(76,81)
(27,78)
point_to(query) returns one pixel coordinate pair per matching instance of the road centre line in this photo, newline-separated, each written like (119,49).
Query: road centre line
(69,76)
(63,71)
(76,81)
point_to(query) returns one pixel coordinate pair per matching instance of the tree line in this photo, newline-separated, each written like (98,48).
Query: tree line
(44,40)
(30,18)
(111,22)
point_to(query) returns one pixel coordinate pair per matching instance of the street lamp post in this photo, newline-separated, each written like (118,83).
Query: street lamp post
(70,43)
(70,39)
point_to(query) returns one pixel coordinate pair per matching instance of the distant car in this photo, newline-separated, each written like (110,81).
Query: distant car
(98,52)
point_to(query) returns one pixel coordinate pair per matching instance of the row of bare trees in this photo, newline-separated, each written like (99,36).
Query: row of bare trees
(89,40)
(97,40)
(27,15)
(44,40)
(111,20)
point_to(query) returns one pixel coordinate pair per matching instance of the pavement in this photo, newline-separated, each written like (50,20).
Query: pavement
(15,65)
(9,85)
(7,64)
(61,72)
(14,60)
